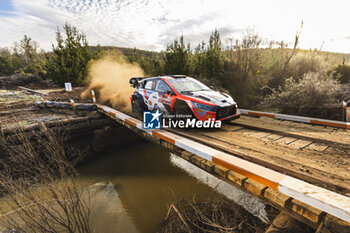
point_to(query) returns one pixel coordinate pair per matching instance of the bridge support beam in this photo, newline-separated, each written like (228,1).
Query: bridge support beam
(283,223)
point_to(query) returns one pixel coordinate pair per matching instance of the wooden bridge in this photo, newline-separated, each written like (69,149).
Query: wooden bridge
(300,169)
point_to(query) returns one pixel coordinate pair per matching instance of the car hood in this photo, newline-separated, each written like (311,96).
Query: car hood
(213,97)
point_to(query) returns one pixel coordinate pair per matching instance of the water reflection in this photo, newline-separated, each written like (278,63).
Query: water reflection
(107,212)
(247,201)
(143,180)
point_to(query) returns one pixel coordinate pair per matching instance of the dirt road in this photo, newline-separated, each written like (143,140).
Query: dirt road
(316,154)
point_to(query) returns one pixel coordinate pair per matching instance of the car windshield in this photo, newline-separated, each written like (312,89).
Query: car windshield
(184,85)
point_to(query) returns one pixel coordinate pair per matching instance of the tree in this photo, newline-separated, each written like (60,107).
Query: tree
(177,59)
(9,64)
(70,59)
(27,55)
(27,50)
(280,74)
(296,41)
(214,61)
(242,69)
(248,54)
(199,60)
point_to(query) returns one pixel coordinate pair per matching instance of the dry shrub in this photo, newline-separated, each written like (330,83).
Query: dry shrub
(302,64)
(342,72)
(210,215)
(315,95)
(38,186)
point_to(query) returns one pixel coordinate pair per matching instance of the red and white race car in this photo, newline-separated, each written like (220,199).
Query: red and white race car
(179,94)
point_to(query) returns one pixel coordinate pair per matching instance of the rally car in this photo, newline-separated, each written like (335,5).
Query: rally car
(181,95)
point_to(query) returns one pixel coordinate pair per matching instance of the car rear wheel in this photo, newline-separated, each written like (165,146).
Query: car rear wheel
(136,106)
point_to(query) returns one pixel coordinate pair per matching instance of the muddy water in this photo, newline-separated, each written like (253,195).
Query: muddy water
(140,181)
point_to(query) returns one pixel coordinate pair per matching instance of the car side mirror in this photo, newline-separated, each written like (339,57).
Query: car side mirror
(134,83)
(211,87)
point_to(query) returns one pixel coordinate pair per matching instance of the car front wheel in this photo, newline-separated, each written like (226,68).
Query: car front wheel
(183,109)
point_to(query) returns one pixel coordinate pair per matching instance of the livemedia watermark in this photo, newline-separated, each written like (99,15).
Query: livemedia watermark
(156,120)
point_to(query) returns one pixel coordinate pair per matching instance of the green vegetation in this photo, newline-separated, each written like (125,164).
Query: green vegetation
(342,73)
(254,72)
(177,58)
(70,59)
(9,64)
(251,69)
(25,58)
(150,62)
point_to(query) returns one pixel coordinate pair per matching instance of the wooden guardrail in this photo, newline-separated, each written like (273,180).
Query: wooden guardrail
(308,120)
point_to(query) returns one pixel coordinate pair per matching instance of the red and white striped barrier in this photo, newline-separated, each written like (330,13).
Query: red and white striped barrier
(320,198)
(309,120)
(93,97)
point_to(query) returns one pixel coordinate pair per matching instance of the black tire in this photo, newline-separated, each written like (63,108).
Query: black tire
(182,109)
(136,106)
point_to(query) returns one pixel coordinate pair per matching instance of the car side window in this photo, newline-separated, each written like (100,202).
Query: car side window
(148,84)
(162,86)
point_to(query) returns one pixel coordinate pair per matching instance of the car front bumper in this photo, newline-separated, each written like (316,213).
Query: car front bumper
(231,117)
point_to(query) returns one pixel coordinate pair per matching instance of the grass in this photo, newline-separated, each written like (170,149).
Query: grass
(10,97)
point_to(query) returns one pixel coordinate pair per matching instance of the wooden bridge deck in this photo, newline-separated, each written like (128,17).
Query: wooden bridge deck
(280,163)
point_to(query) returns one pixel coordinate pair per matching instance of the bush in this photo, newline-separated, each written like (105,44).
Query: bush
(37,182)
(209,215)
(303,64)
(343,73)
(9,65)
(313,95)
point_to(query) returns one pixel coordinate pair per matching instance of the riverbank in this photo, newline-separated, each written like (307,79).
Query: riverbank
(141,182)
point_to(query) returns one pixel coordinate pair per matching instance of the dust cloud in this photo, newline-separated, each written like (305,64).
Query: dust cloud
(109,77)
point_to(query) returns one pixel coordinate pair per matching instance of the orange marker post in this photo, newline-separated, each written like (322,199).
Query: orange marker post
(73,105)
(43,101)
(93,97)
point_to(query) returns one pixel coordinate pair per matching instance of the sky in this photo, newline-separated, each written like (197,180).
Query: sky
(153,24)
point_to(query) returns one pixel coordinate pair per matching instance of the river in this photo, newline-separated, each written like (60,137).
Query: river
(142,180)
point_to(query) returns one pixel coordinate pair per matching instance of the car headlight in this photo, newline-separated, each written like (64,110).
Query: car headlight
(203,106)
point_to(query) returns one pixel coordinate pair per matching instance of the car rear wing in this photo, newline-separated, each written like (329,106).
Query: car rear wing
(134,81)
